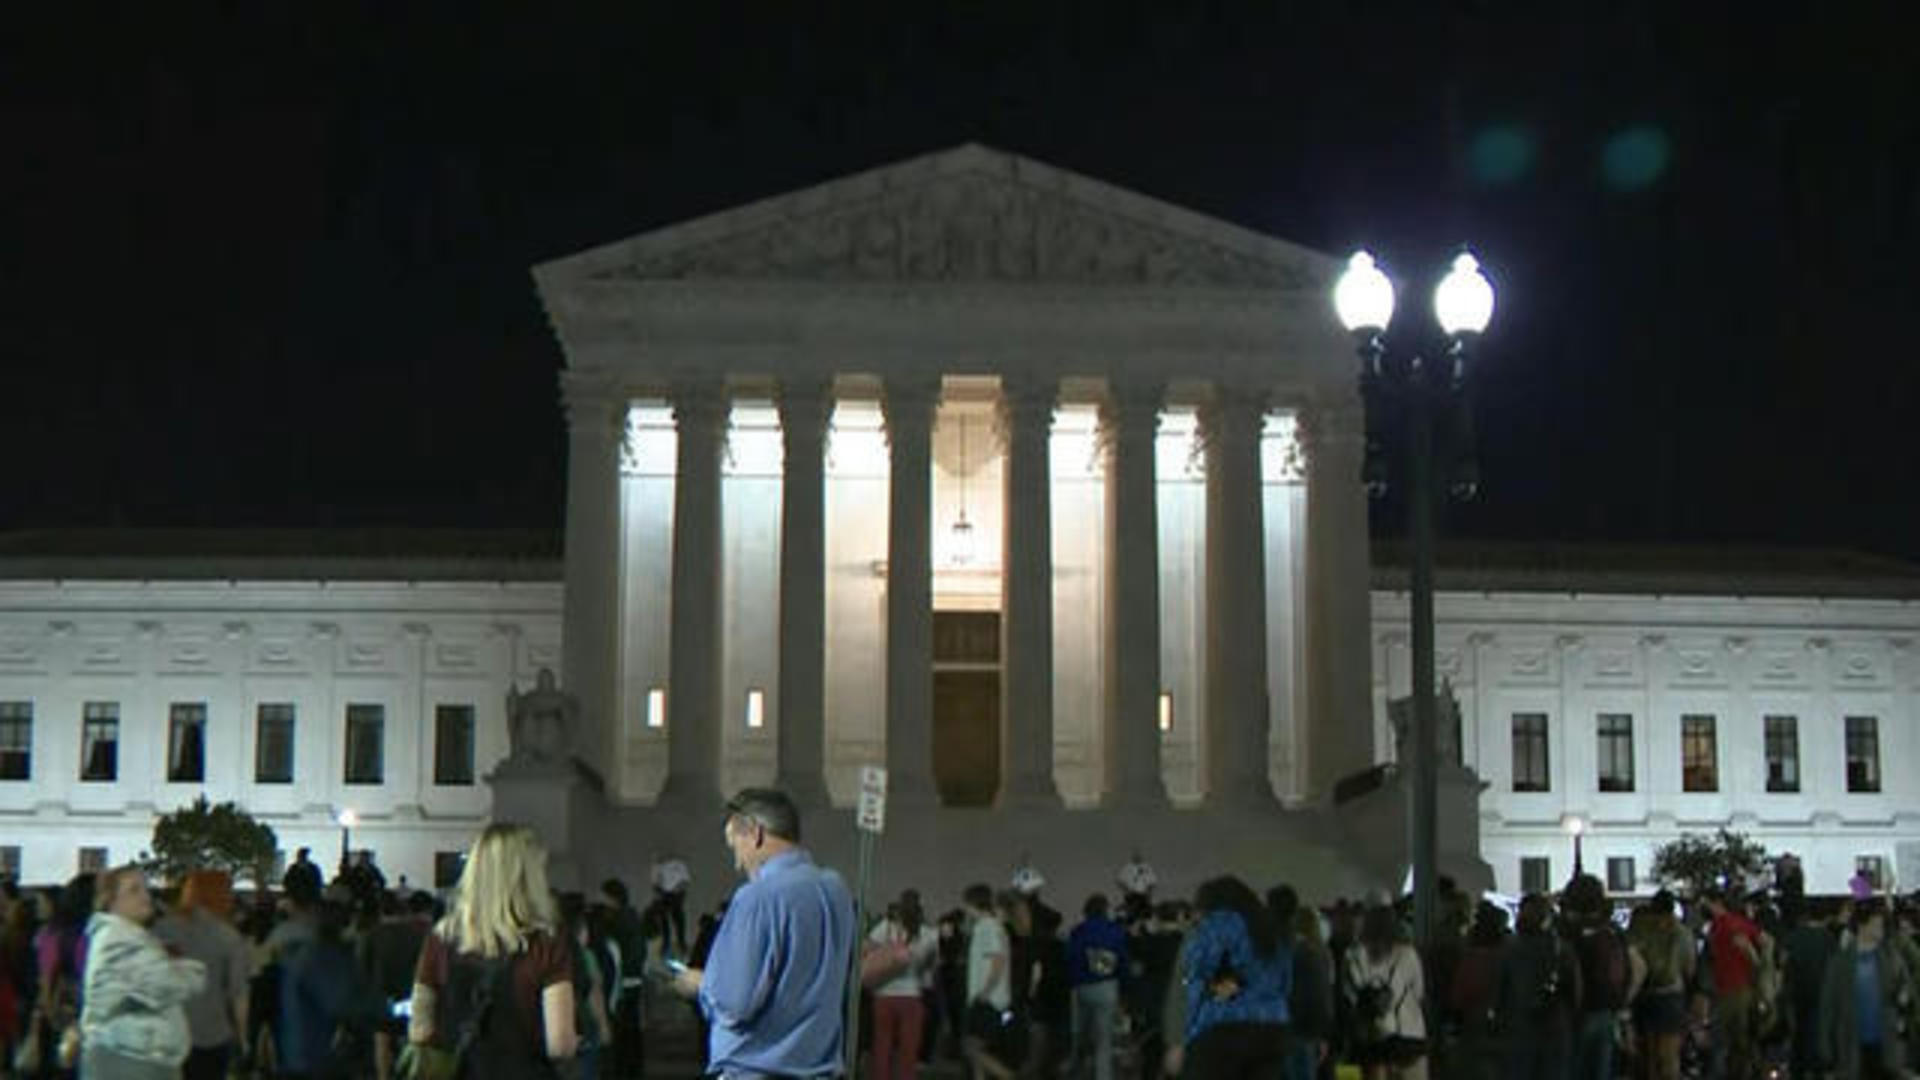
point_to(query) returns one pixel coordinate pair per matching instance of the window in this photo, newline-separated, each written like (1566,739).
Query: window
(100,741)
(16,740)
(1620,876)
(10,863)
(1863,754)
(1536,873)
(1530,752)
(756,710)
(1783,754)
(1874,868)
(446,868)
(93,860)
(657,708)
(1616,751)
(453,745)
(1699,759)
(187,743)
(273,744)
(366,744)
(1166,711)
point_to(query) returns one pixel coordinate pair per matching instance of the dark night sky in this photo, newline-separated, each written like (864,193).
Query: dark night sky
(266,271)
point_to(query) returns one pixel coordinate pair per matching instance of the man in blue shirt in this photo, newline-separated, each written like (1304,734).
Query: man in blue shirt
(774,988)
(1096,959)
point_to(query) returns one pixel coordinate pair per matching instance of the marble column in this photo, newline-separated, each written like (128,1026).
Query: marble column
(805,406)
(908,404)
(1026,597)
(695,648)
(1129,421)
(1339,738)
(1236,751)
(590,665)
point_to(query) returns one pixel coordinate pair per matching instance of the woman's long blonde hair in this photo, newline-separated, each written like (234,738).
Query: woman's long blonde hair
(502,898)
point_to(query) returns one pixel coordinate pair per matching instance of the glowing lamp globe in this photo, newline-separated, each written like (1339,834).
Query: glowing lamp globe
(1363,297)
(1463,301)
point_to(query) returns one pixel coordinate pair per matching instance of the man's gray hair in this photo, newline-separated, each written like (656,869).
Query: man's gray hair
(772,809)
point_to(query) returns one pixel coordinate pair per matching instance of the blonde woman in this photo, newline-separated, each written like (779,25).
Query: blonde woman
(495,981)
(134,1026)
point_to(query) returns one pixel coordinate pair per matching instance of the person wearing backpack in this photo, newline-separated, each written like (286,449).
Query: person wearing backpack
(1539,995)
(1660,1008)
(1610,970)
(495,981)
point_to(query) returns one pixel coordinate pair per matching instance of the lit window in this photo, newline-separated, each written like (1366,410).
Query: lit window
(1863,754)
(187,743)
(657,708)
(1616,751)
(1699,758)
(1166,711)
(1536,874)
(1530,771)
(1783,753)
(1620,875)
(756,710)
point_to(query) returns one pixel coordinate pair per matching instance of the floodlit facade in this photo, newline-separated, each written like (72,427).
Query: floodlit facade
(1774,694)
(1043,495)
(124,697)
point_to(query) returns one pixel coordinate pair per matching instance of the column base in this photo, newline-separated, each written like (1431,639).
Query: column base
(807,790)
(1244,796)
(697,793)
(1035,794)
(1138,799)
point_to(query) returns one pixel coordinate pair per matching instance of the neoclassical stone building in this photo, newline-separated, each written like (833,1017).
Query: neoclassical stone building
(1044,495)
(1105,449)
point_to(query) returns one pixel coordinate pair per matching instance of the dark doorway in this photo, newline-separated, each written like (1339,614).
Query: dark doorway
(966,706)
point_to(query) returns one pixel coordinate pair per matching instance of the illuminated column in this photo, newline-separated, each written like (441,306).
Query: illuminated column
(1026,583)
(1339,706)
(909,403)
(596,426)
(804,407)
(1230,424)
(1129,419)
(694,649)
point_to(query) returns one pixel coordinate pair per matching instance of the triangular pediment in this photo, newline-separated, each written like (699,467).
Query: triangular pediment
(965,215)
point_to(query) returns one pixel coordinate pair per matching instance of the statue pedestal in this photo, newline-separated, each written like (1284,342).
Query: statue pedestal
(559,801)
(1374,812)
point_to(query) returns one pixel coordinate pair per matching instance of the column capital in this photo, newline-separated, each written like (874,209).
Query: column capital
(699,404)
(805,404)
(1026,407)
(595,407)
(907,403)
(1233,415)
(1132,407)
(1332,425)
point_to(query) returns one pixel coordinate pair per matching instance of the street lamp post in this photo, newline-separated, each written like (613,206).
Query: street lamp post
(1463,306)
(1576,827)
(347,819)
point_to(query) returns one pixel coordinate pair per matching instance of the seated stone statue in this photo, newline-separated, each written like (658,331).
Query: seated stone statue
(541,723)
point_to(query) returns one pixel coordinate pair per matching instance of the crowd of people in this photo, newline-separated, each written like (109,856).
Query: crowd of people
(509,979)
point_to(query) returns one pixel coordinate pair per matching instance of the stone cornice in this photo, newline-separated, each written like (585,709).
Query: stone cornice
(962,215)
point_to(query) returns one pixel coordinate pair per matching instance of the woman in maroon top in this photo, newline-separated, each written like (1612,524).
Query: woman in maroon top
(498,944)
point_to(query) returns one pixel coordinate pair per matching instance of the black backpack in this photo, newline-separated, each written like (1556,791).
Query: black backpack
(1605,969)
(481,1026)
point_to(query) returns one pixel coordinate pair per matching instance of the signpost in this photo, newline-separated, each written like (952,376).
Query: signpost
(871,819)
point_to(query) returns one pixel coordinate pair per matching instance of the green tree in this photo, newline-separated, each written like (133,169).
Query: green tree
(1698,863)
(203,836)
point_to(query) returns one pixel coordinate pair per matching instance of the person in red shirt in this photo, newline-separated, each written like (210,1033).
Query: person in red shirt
(1733,947)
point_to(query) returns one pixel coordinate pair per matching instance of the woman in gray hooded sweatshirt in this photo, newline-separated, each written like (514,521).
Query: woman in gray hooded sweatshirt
(134,1024)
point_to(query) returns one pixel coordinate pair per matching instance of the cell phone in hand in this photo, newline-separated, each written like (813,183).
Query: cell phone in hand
(677,967)
(401,1009)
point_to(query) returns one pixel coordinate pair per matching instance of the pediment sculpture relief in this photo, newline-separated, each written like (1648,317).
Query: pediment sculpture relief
(968,228)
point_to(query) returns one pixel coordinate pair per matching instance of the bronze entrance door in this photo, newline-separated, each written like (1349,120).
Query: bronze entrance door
(966,707)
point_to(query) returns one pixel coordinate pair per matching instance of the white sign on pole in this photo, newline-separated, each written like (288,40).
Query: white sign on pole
(872,815)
